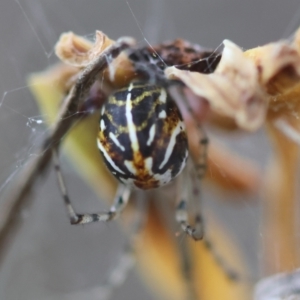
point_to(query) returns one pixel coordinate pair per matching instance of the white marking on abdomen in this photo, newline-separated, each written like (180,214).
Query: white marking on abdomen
(163,96)
(151,135)
(116,141)
(162,114)
(171,144)
(130,87)
(130,124)
(148,164)
(130,166)
(128,181)
(183,162)
(102,125)
(164,178)
(108,158)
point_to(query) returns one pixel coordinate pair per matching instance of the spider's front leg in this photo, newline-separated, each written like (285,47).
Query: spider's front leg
(120,200)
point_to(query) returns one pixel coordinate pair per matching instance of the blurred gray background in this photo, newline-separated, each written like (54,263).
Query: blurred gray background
(49,259)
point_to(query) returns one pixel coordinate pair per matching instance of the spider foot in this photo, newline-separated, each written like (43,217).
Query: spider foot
(196,232)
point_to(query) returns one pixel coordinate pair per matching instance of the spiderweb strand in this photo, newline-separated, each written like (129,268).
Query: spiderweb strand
(38,165)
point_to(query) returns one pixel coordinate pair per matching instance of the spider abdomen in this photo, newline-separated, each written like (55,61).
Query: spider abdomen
(142,136)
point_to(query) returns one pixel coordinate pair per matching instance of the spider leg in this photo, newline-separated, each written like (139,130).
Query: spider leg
(119,273)
(191,190)
(187,269)
(119,203)
(196,232)
(126,261)
(198,168)
(182,214)
(201,161)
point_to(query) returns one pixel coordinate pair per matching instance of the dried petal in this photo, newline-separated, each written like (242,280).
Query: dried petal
(232,90)
(78,51)
(278,65)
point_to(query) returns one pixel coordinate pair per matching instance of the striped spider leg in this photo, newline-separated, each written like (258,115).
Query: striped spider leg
(119,203)
(191,189)
(194,175)
(182,214)
(118,273)
(126,261)
(199,167)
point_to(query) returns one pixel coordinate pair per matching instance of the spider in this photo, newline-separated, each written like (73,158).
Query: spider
(142,136)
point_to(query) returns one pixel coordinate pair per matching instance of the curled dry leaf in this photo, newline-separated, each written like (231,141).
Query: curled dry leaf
(77,51)
(232,90)
(241,86)
(278,66)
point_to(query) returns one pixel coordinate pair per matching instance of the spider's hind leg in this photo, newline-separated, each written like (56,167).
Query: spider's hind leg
(119,203)
(191,185)
(182,214)
(200,162)
(126,261)
(195,169)
(190,190)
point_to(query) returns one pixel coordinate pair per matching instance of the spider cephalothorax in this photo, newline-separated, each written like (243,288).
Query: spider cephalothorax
(179,53)
(142,136)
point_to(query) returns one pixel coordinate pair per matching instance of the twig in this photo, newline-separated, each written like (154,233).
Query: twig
(38,165)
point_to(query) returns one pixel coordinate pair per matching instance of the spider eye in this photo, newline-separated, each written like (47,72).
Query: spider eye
(142,136)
